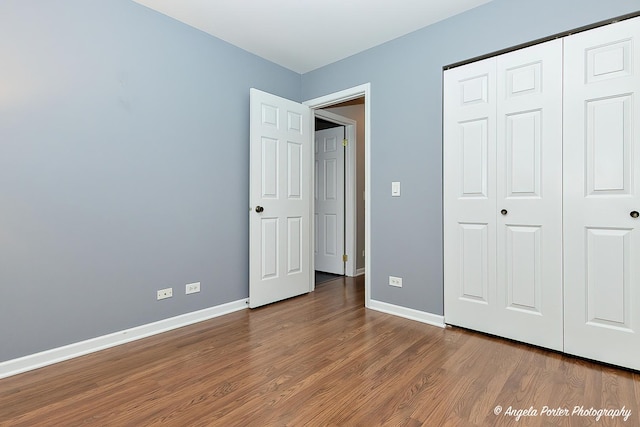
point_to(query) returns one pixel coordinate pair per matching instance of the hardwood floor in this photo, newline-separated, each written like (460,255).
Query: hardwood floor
(321,359)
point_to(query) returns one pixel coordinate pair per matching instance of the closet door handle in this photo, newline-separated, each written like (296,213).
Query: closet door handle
(259,209)
(504,212)
(634,214)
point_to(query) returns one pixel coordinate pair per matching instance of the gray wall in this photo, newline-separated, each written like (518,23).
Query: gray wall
(124,158)
(406,127)
(124,162)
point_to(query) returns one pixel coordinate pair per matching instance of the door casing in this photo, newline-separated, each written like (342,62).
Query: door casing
(325,101)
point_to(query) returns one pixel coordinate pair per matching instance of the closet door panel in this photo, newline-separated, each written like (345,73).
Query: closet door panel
(469,193)
(529,194)
(601,186)
(503,151)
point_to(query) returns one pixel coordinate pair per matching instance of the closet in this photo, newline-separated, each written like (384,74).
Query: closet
(541,181)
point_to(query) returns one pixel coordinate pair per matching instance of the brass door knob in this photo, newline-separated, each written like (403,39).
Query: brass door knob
(259,209)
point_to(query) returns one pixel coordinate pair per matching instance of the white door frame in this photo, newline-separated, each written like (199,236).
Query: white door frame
(349,183)
(327,101)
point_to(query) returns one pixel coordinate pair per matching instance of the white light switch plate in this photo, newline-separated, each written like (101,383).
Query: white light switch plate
(395,189)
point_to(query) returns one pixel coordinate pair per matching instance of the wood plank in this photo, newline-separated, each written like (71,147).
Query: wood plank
(318,359)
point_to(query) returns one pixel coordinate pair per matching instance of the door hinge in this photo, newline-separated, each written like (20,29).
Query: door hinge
(345,258)
(345,142)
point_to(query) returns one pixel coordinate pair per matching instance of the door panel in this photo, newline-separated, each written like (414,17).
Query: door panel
(610,61)
(269,252)
(473,265)
(294,244)
(523,79)
(503,150)
(469,196)
(529,191)
(475,90)
(329,201)
(475,168)
(608,277)
(330,182)
(330,235)
(523,158)
(524,268)
(601,183)
(608,147)
(294,174)
(279,256)
(270,175)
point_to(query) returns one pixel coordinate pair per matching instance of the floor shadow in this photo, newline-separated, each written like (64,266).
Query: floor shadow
(322,277)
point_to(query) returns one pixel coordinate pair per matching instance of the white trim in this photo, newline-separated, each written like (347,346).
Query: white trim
(350,213)
(408,313)
(60,354)
(336,98)
(360,272)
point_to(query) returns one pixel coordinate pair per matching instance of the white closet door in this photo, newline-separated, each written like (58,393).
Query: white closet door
(601,186)
(502,151)
(470,196)
(529,226)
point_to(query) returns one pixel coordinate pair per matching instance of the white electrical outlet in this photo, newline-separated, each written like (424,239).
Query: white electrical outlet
(395,281)
(192,288)
(165,293)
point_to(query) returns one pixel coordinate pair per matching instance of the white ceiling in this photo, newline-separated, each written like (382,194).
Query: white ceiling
(303,35)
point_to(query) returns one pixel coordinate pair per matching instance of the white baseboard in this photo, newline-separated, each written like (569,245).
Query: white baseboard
(359,272)
(49,357)
(408,313)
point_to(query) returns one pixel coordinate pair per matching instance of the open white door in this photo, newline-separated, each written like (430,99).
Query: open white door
(280,193)
(329,200)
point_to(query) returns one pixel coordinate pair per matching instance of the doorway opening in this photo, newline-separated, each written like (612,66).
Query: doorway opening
(351,108)
(330,196)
